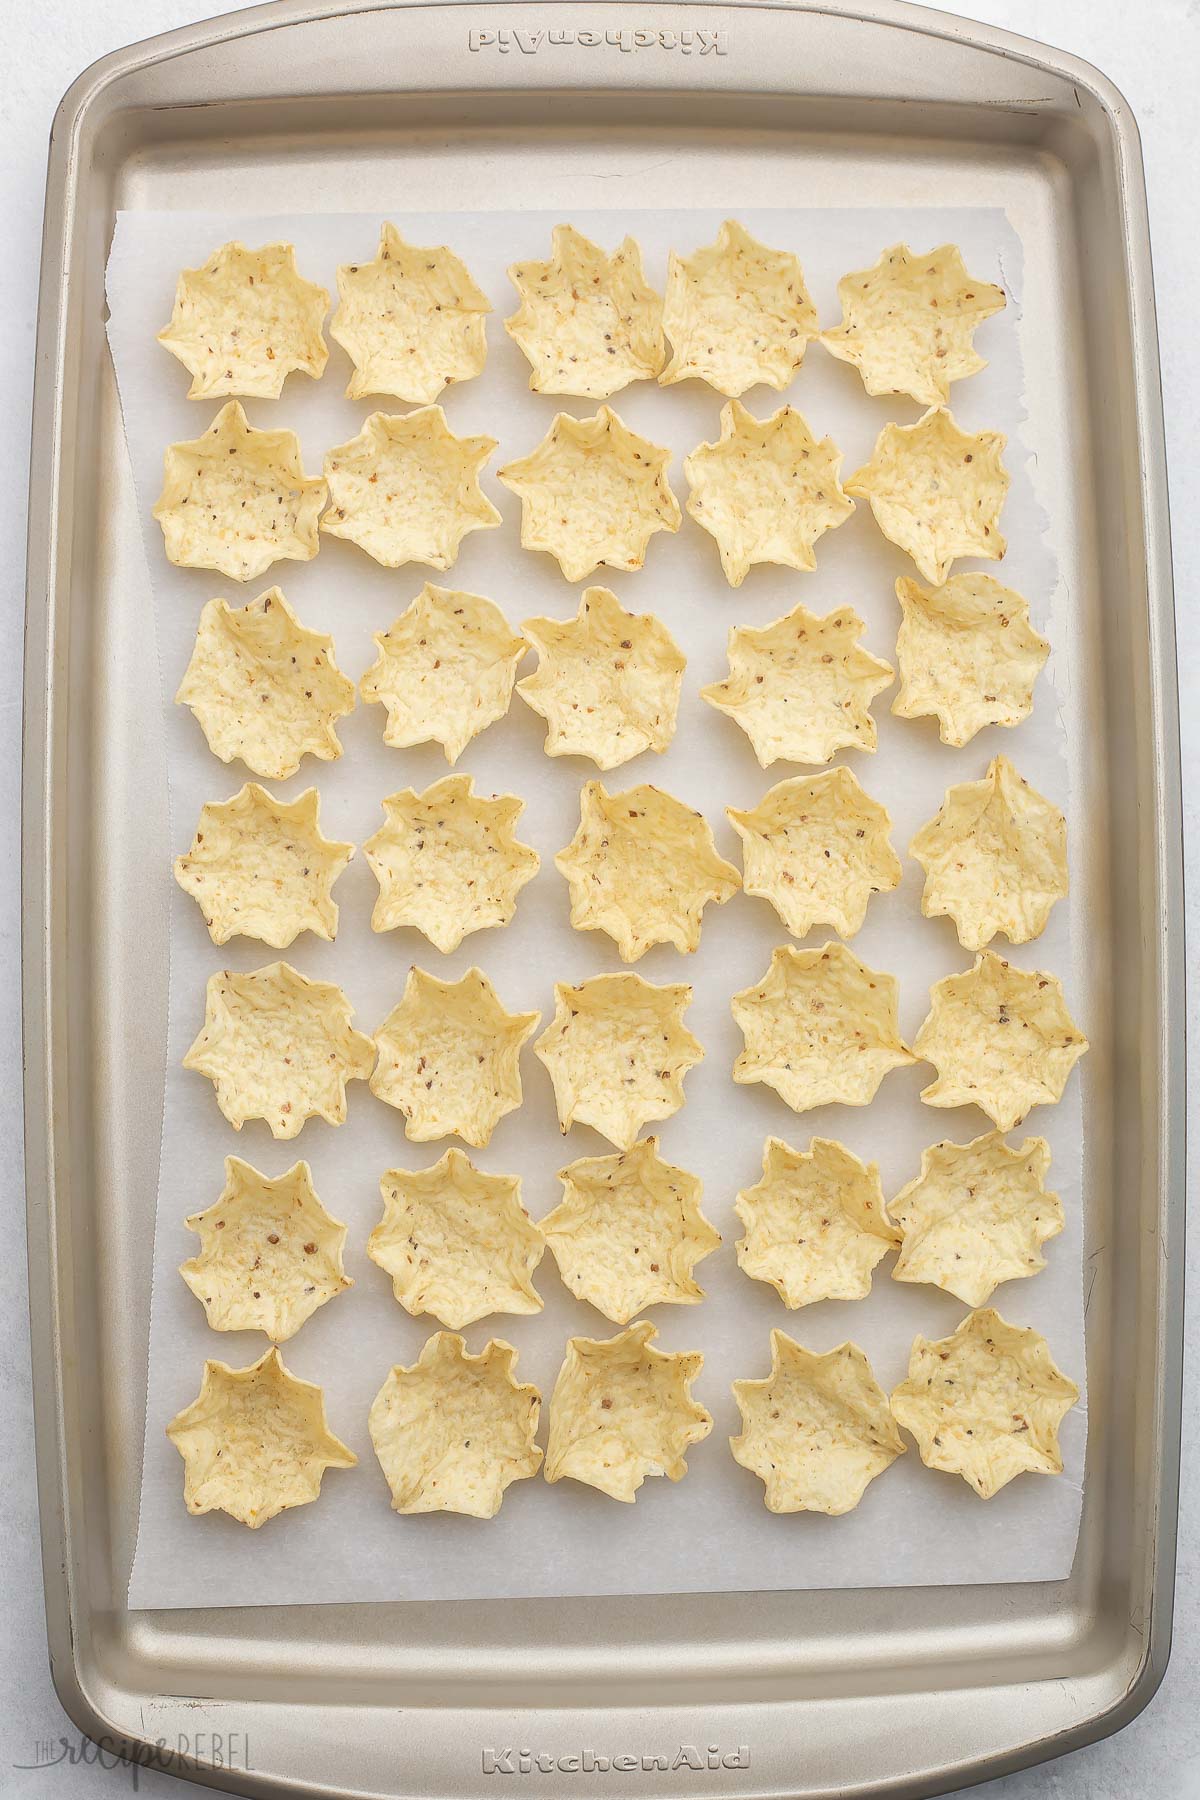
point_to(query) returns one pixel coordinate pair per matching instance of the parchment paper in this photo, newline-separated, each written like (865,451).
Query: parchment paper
(711,1531)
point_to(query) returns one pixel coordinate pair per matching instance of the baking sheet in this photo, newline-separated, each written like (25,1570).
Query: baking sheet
(710,1532)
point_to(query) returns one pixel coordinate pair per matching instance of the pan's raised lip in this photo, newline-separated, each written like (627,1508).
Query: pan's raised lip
(897,14)
(67,136)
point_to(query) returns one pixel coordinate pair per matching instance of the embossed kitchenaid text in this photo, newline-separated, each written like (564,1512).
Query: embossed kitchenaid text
(513,1761)
(627,39)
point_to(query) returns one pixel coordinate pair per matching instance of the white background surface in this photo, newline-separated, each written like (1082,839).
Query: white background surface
(1152,51)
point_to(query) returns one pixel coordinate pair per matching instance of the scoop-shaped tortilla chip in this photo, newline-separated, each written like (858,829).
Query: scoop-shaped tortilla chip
(736,313)
(766,490)
(1000,1038)
(617,1051)
(967,654)
(628,1232)
(977,1214)
(270,1254)
(816,1224)
(995,858)
(244,320)
(607,681)
(986,1402)
(265,688)
(622,1410)
(816,1430)
(908,323)
(445,670)
(407,490)
(259,867)
(801,688)
(817,847)
(279,1047)
(642,867)
(237,500)
(255,1441)
(448,861)
(593,492)
(936,491)
(411,321)
(454,1430)
(589,322)
(457,1243)
(449,1057)
(819,1028)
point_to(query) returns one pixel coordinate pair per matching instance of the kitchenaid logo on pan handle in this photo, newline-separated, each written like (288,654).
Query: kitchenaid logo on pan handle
(508,1759)
(626,38)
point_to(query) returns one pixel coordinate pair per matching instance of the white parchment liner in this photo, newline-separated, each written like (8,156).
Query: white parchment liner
(711,1531)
